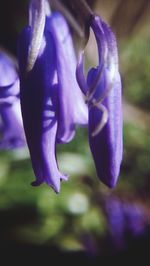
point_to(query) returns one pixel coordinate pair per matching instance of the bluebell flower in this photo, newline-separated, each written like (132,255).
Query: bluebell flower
(126,220)
(48,90)
(102,89)
(11,125)
(72,109)
(116,221)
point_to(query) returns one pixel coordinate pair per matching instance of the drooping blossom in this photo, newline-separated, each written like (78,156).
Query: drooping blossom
(102,89)
(11,125)
(48,90)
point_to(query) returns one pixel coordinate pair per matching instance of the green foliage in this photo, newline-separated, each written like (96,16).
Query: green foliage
(135,66)
(44,217)
(136,167)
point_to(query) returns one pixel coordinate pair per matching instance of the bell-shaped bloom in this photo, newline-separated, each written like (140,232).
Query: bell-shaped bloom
(11,125)
(72,108)
(47,103)
(103,95)
(38,109)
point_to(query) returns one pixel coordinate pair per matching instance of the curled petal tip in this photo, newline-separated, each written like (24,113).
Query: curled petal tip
(55,186)
(36,183)
(56,183)
(64,178)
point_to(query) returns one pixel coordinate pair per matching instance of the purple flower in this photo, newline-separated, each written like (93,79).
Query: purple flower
(116,221)
(11,126)
(126,220)
(135,218)
(48,90)
(103,95)
(72,109)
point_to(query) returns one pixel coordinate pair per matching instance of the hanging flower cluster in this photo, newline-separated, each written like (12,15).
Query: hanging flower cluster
(56,96)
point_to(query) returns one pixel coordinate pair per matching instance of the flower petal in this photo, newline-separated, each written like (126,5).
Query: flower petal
(80,75)
(11,129)
(97,27)
(8,70)
(11,126)
(38,110)
(106,146)
(72,108)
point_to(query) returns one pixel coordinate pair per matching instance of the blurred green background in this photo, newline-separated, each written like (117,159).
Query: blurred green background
(86,216)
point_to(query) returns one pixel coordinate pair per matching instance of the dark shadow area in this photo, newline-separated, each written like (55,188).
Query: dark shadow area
(21,253)
(24,254)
